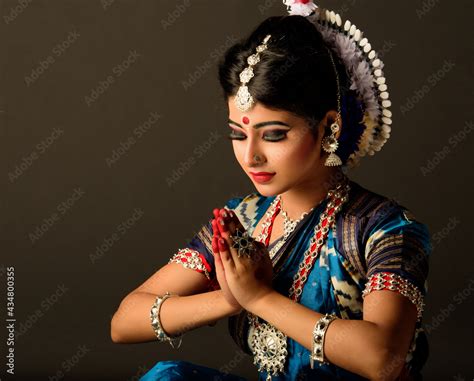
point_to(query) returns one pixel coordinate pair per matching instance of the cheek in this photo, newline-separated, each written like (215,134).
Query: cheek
(298,154)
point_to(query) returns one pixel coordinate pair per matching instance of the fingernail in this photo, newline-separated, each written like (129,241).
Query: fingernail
(222,244)
(224,226)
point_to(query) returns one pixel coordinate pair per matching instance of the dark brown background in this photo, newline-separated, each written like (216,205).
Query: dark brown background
(419,39)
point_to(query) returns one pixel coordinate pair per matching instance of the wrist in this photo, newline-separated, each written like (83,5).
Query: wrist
(231,309)
(256,303)
(237,310)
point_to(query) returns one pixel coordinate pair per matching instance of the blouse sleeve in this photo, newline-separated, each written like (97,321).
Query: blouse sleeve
(397,255)
(197,254)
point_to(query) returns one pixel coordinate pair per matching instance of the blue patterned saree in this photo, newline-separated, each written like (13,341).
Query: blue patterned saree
(373,240)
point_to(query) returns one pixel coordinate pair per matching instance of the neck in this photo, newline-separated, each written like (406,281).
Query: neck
(303,197)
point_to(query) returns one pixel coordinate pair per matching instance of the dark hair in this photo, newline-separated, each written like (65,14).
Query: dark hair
(295,74)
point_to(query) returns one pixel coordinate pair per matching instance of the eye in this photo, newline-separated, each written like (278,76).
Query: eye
(276,135)
(234,136)
(270,136)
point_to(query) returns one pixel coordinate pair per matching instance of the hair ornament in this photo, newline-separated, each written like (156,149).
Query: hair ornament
(300,7)
(365,71)
(244,100)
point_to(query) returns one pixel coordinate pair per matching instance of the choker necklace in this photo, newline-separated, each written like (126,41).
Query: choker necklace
(288,224)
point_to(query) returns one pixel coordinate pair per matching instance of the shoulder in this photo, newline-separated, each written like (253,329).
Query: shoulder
(372,207)
(374,215)
(365,203)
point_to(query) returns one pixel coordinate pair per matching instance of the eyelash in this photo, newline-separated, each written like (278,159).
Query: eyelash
(233,136)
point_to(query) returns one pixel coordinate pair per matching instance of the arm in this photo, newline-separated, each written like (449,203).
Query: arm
(374,348)
(131,323)
(188,274)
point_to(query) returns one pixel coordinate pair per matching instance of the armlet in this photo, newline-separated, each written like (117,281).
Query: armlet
(192,259)
(394,282)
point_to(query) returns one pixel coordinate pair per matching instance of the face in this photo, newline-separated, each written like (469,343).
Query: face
(283,143)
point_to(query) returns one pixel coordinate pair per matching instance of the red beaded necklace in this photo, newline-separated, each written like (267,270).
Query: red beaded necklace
(337,197)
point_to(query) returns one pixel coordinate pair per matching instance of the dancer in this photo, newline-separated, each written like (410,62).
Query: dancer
(320,278)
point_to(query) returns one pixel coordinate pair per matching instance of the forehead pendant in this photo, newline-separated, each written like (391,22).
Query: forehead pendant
(245,120)
(244,100)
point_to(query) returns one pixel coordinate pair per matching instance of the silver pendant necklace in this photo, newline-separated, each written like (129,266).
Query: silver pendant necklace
(268,343)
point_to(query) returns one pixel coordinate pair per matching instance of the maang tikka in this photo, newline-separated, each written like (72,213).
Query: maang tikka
(244,100)
(330,143)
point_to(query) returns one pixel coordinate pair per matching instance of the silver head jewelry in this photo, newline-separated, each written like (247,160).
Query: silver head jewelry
(330,143)
(244,100)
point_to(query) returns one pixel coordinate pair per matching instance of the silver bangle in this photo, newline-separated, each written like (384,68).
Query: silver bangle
(156,323)
(319,332)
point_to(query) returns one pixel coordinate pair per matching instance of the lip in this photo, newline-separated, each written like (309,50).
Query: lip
(263,173)
(262,177)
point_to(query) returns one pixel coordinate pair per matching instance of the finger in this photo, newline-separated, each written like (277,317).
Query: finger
(226,255)
(233,222)
(215,246)
(219,226)
(217,256)
(223,225)
(215,229)
(225,213)
(218,262)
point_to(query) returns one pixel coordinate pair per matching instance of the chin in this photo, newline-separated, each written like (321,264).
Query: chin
(265,193)
(266,190)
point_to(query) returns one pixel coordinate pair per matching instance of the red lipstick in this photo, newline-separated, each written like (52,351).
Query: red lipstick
(262,177)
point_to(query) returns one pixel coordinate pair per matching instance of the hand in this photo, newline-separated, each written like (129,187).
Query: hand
(248,278)
(220,274)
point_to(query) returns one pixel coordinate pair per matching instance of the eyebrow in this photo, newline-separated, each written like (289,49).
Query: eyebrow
(262,124)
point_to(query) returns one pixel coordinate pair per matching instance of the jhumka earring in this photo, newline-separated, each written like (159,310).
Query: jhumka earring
(330,143)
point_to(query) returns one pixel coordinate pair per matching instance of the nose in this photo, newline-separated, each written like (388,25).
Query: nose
(252,157)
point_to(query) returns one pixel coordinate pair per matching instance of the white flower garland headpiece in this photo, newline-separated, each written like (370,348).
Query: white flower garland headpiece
(363,67)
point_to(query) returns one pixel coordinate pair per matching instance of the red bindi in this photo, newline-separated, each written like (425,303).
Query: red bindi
(245,120)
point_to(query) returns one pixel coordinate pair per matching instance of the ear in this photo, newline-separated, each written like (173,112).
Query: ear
(329,119)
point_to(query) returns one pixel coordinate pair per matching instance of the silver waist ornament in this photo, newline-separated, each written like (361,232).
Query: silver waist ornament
(268,343)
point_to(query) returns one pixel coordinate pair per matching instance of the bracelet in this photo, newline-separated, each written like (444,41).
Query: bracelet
(156,324)
(319,332)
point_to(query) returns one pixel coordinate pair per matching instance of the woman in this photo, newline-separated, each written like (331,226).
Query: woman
(320,278)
